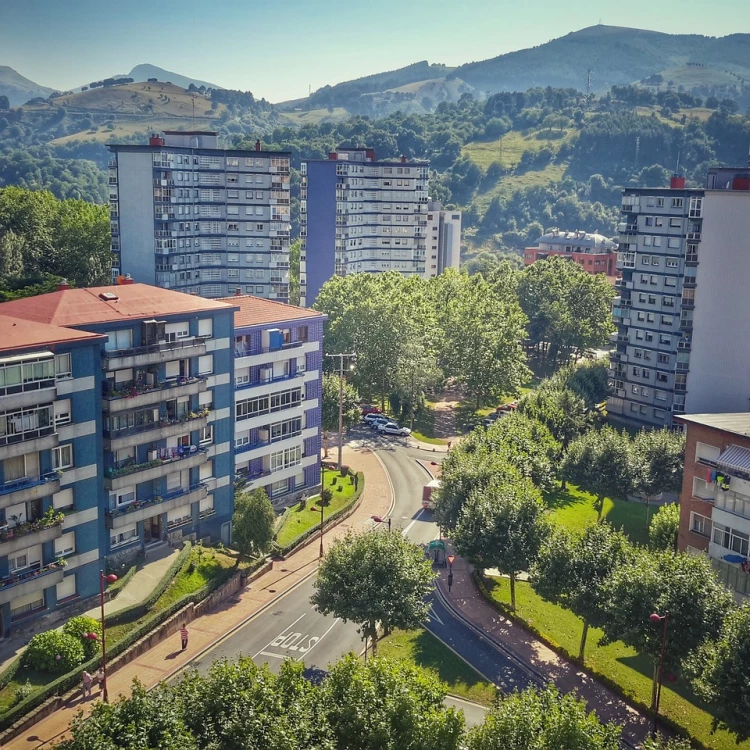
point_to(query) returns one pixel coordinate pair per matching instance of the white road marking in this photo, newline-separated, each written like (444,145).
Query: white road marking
(433,616)
(288,627)
(322,636)
(269,653)
(408,528)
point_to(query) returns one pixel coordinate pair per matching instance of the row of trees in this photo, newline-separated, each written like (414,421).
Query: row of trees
(409,333)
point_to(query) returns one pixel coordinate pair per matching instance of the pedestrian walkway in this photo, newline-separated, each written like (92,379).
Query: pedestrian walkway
(166,658)
(135,591)
(468,602)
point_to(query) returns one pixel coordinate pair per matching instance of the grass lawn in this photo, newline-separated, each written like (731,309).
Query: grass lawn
(424,425)
(299,519)
(616,661)
(508,150)
(420,647)
(574,509)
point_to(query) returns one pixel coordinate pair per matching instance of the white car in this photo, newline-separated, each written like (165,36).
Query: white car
(372,420)
(391,428)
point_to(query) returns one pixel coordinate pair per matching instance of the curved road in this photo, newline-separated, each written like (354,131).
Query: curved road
(292,628)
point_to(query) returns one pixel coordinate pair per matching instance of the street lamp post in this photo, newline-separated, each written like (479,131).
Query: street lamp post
(322,489)
(341,396)
(104,579)
(660,673)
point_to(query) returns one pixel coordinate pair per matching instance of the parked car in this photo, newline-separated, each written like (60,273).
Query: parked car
(370,418)
(369,409)
(391,428)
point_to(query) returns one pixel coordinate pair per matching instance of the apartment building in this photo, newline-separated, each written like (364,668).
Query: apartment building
(715,497)
(360,215)
(161,386)
(682,342)
(190,216)
(50,484)
(593,252)
(443,239)
(278,352)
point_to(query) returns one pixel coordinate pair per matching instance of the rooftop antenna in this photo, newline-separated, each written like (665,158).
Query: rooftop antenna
(677,166)
(193,98)
(588,82)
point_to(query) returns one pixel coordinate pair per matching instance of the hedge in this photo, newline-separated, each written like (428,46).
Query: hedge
(285,550)
(123,581)
(69,681)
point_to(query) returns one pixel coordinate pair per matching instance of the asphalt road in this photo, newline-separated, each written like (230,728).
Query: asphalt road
(292,628)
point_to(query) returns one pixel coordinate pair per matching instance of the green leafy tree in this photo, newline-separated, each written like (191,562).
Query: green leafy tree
(658,459)
(600,462)
(253,522)
(682,585)
(662,532)
(330,406)
(502,527)
(536,719)
(719,670)
(54,652)
(374,578)
(79,627)
(417,371)
(571,570)
(295,250)
(389,705)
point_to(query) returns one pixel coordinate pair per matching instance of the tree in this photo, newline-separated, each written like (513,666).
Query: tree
(4,102)
(330,408)
(542,719)
(571,570)
(253,522)
(502,527)
(600,462)
(374,578)
(658,459)
(662,532)
(417,371)
(719,671)
(682,585)
(390,705)
(295,250)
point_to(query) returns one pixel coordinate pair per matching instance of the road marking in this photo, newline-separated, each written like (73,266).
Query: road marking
(283,632)
(433,616)
(322,636)
(270,653)
(408,528)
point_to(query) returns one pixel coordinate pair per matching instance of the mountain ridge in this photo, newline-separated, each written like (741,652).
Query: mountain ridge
(18,88)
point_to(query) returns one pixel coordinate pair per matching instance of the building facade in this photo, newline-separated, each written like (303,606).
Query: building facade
(685,267)
(51,521)
(189,216)
(593,252)
(360,215)
(443,239)
(278,352)
(163,382)
(715,497)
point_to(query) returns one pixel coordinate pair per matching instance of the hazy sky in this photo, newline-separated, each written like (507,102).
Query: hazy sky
(277,49)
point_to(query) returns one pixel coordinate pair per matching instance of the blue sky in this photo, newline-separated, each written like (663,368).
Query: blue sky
(277,49)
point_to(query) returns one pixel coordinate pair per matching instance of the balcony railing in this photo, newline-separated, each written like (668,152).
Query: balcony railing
(182,453)
(156,425)
(25,482)
(277,379)
(14,580)
(29,527)
(158,500)
(241,352)
(158,346)
(31,434)
(270,441)
(139,390)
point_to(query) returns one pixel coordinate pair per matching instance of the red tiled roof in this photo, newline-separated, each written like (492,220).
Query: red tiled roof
(258,311)
(16,333)
(78,307)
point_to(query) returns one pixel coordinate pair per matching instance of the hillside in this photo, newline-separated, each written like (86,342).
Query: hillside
(19,89)
(615,55)
(145,71)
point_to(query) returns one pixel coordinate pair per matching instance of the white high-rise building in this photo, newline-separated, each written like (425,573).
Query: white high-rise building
(443,239)
(189,216)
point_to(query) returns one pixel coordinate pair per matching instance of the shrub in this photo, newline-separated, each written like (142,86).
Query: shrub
(344,470)
(23,691)
(44,648)
(326,496)
(77,627)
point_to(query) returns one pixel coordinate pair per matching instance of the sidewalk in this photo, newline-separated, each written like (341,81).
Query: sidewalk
(466,599)
(135,591)
(163,660)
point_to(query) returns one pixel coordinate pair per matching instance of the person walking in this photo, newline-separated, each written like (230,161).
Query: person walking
(184,636)
(100,679)
(86,679)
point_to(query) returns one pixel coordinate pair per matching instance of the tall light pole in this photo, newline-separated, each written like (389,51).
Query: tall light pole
(341,358)
(322,490)
(103,580)
(660,674)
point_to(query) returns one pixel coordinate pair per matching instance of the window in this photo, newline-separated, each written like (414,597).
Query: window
(206,435)
(638,353)
(126,536)
(650,318)
(634,389)
(233,210)
(117,340)
(706,452)
(233,273)
(730,538)
(664,359)
(634,407)
(62,411)
(206,364)
(649,336)
(645,260)
(302,333)
(644,277)
(654,260)
(63,368)
(675,223)
(66,588)
(639,335)
(233,227)
(280,487)
(677,203)
(660,395)
(662,377)
(672,263)
(22,605)
(670,281)
(637,372)
(664,339)
(668,301)
(62,457)
(654,281)
(286,458)
(65,545)
(666,320)
(673,243)
(700,524)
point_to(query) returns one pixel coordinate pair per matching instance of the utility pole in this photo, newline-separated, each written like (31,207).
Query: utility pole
(341,357)
(637,149)
(588,83)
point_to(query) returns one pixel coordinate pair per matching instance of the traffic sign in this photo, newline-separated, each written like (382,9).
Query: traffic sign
(451,558)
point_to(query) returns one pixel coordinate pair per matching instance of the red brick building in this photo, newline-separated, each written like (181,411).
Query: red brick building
(593,252)
(715,497)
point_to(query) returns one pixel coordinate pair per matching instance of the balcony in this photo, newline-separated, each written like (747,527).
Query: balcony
(29,582)
(116,479)
(154,354)
(153,431)
(31,393)
(23,535)
(29,488)
(138,396)
(140,511)
(29,441)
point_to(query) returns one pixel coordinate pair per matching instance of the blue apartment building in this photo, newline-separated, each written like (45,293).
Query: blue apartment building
(51,520)
(162,390)
(278,351)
